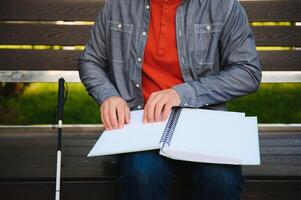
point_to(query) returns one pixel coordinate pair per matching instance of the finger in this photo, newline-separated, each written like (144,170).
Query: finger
(150,112)
(145,114)
(146,107)
(113,116)
(158,110)
(120,116)
(166,111)
(127,114)
(106,117)
(101,116)
(151,108)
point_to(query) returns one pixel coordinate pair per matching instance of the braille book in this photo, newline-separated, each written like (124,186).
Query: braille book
(197,135)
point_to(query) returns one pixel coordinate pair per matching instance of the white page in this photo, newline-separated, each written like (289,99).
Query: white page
(250,146)
(216,137)
(135,136)
(193,116)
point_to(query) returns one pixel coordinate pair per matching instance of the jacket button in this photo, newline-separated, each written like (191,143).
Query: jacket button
(147,6)
(119,25)
(139,107)
(139,59)
(208,28)
(144,33)
(137,85)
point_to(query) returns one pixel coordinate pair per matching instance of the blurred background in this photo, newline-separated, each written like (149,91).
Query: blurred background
(40,41)
(35,103)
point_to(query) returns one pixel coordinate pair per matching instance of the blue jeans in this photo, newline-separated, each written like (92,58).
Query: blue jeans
(147,175)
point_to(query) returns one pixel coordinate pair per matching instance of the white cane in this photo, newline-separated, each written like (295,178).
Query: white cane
(59,138)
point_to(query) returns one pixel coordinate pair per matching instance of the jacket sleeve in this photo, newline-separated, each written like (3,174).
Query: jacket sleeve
(93,62)
(241,71)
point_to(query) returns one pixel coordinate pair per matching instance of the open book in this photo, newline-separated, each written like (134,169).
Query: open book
(198,135)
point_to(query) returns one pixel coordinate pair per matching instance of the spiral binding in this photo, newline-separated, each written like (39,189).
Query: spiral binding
(170,126)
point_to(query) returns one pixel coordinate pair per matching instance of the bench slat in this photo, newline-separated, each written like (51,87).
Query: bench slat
(44,34)
(51,34)
(50,9)
(264,10)
(67,60)
(109,190)
(27,155)
(11,59)
(273,10)
(277,35)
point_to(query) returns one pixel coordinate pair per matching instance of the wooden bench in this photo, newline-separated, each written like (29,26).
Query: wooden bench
(28,159)
(51,30)
(28,153)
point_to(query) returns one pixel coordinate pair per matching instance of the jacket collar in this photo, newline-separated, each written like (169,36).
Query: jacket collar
(182,1)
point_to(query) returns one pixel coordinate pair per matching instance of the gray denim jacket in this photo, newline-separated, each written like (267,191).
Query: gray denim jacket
(216,51)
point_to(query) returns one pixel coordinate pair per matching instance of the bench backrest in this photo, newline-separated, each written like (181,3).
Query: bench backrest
(37,36)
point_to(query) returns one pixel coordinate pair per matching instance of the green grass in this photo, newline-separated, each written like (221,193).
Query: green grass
(37,105)
(273,103)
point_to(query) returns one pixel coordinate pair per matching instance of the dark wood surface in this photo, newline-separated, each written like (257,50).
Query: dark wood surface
(44,34)
(255,189)
(273,10)
(38,59)
(277,35)
(269,10)
(51,34)
(28,159)
(26,154)
(68,59)
(50,9)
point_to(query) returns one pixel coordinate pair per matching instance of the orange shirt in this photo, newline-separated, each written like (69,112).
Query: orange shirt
(160,69)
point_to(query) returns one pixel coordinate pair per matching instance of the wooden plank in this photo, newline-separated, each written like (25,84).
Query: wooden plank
(79,151)
(28,153)
(271,189)
(24,152)
(109,190)
(75,151)
(273,10)
(271,170)
(269,10)
(51,34)
(68,59)
(91,172)
(280,60)
(39,59)
(265,129)
(50,9)
(40,76)
(277,35)
(44,34)
(70,161)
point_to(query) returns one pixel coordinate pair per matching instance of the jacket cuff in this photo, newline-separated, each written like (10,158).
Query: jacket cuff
(187,94)
(105,93)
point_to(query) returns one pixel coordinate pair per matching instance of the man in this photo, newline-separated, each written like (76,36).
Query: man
(159,54)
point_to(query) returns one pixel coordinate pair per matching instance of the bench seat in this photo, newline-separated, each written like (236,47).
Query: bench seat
(28,160)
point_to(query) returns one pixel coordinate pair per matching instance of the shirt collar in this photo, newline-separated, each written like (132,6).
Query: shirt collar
(167,2)
(181,1)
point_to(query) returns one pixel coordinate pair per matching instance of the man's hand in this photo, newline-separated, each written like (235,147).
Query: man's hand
(159,105)
(114,113)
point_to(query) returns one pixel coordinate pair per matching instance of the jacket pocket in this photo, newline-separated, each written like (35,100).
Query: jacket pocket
(119,39)
(206,42)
